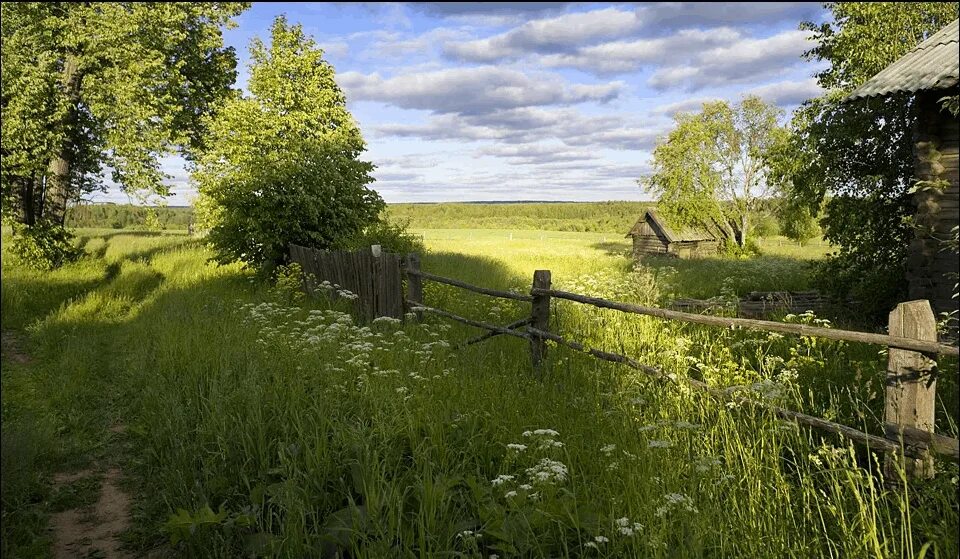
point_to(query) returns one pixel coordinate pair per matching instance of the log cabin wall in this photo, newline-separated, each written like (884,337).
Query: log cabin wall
(931,270)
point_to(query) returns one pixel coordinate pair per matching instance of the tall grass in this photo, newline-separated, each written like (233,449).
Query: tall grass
(259,422)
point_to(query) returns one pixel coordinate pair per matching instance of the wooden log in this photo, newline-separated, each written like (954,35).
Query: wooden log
(766,325)
(911,385)
(469,287)
(488,335)
(414,283)
(539,318)
(476,323)
(942,444)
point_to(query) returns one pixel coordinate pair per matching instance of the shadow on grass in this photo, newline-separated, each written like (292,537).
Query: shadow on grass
(702,278)
(614,248)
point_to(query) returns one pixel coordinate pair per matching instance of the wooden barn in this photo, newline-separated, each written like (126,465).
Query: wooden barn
(930,71)
(651,235)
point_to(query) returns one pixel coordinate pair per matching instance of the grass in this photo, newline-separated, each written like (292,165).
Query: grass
(261,423)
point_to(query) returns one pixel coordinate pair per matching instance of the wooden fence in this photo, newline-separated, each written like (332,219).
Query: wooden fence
(374,277)
(909,439)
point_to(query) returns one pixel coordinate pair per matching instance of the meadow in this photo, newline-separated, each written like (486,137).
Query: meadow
(250,420)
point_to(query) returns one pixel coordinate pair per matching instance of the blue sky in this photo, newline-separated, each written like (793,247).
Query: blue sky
(533,101)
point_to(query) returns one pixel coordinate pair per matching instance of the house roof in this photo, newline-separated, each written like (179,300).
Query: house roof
(933,64)
(673,235)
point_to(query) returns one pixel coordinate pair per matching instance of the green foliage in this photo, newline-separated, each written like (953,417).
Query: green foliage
(392,237)
(798,222)
(128,216)
(288,283)
(43,246)
(856,158)
(282,165)
(713,168)
(87,86)
(766,225)
(598,217)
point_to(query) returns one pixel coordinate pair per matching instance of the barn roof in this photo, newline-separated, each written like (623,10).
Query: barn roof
(673,235)
(933,64)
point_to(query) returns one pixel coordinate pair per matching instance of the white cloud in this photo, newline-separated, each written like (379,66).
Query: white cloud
(559,33)
(788,93)
(534,124)
(536,154)
(740,61)
(472,90)
(628,56)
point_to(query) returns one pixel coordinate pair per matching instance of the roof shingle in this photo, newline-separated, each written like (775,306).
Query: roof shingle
(933,64)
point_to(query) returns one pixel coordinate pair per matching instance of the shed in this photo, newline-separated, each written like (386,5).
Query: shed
(931,71)
(651,235)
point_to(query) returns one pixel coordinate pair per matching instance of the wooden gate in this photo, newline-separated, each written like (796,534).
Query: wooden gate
(374,278)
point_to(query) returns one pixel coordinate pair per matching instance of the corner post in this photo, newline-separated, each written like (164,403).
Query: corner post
(539,318)
(911,389)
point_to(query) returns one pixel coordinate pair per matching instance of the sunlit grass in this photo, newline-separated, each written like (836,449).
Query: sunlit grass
(309,433)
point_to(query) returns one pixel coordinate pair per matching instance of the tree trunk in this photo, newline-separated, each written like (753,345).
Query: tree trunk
(744,224)
(58,181)
(28,214)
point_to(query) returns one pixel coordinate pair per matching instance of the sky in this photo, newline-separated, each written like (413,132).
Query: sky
(462,101)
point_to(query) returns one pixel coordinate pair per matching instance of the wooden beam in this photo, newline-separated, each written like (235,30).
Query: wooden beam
(766,325)
(469,287)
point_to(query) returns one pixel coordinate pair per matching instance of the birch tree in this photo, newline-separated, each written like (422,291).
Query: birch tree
(712,166)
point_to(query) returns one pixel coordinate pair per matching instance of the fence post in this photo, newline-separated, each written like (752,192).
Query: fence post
(539,318)
(414,282)
(911,387)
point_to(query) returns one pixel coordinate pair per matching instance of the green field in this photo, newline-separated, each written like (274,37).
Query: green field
(249,421)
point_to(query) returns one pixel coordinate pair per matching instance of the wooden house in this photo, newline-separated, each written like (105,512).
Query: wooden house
(930,71)
(651,235)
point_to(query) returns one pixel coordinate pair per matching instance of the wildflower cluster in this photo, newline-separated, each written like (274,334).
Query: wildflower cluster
(345,345)
(545,473)
(675,502)
(334,288)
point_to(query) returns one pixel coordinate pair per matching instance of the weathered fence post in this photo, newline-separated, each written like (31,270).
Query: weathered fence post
(539,318)
(911,387)
(414,281)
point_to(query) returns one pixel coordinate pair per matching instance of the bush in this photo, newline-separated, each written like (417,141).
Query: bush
(391,236)
(732,249)
(43,247)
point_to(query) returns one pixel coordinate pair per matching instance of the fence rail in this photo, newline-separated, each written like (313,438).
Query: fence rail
(909,439)
(766,325)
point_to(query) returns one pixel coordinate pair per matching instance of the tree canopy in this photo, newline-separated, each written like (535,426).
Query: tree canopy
(281,164)
(855,158)
(712,166)
(86,86)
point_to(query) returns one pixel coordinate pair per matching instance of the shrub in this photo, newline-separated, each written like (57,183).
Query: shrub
(390,235)
(43,246)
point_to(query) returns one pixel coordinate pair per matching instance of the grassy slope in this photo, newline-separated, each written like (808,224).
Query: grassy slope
(311,436)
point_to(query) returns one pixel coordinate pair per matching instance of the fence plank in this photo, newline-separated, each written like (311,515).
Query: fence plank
(375,281)
(539,318)
(911,385)
(766,325)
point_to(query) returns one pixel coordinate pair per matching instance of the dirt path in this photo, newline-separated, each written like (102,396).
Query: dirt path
(11,345)
(93,530)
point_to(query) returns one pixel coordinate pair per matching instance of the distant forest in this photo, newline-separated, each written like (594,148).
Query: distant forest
(128,216)
(597,217)
(594,217)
